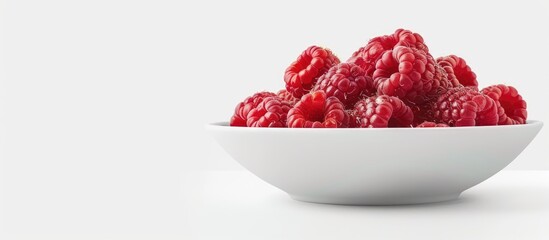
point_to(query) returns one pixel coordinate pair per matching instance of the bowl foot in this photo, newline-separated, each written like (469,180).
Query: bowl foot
(377,200)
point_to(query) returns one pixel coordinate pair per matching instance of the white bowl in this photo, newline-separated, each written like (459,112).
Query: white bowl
(382,166)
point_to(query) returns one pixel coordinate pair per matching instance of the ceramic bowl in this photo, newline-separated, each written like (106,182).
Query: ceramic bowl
(382,166)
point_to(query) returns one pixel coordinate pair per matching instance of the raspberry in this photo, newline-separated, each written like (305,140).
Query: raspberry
(316,110)
(410,39)
(241,111)
(271,112)
(423,111)
(511,107)
(303,73)
(465,106)
(441,79)
(381,112)
(287,96)
(367,56)
(431,125)
(347,82)
(458,71)
(406,73)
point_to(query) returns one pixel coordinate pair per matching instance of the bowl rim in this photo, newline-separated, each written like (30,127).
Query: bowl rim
(224,125)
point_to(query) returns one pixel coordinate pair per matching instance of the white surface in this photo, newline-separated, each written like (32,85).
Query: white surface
(511,205)
(102,102)
(237,205)
(374,166)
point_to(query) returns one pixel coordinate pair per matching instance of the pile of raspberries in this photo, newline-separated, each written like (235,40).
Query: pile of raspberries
(393,81)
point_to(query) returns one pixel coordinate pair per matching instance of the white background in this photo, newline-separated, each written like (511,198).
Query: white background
(103,102)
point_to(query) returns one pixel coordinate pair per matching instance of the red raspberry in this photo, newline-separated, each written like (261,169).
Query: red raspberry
(315,110)
(410,39)
(241,111)
(423,112)
(431,125)
(287,96)
(303,73)
(465,106)
(444,82)
(381,112)
(406,73)
(458,71)
(367,56)
(347,82)
(271,112)
(511,107)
